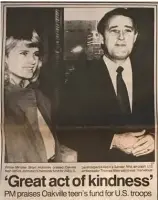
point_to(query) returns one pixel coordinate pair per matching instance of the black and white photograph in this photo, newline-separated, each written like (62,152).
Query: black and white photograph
(79,83)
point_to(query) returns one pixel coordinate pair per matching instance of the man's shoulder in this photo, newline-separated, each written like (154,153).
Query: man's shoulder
(84,71)
(82,74)
(94,63)
(88,66)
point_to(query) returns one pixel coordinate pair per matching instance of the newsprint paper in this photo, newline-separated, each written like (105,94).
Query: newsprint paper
(78,101)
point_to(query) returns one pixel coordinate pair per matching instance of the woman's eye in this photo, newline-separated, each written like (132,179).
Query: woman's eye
(37,54)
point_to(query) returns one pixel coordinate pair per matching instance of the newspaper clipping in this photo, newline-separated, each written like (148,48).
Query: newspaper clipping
(78,101)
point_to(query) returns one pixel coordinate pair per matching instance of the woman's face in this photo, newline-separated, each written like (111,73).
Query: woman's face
(23,60)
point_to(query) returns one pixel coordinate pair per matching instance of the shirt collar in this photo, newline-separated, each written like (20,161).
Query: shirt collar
(15,80)
(112,66)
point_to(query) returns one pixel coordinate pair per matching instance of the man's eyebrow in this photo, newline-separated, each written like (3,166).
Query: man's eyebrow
(111,27)
(127,26)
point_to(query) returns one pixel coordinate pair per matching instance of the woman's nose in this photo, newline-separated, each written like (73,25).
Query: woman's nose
(31,59)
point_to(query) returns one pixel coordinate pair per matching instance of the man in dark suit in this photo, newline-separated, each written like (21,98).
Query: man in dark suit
(107,109)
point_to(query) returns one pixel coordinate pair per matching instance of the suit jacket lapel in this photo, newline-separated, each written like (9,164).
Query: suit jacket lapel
(136,86)
(108,87)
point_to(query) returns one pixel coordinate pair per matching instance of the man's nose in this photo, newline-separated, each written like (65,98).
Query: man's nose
(121,35)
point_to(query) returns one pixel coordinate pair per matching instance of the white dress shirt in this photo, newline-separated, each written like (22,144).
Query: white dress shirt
(126,75)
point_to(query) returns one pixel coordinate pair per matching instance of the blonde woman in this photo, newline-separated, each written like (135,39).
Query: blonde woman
(29,133)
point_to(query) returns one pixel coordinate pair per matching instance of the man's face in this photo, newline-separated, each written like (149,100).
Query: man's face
(119,37)
(23,60)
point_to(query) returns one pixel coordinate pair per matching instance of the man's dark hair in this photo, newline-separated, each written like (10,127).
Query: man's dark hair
(118,11)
